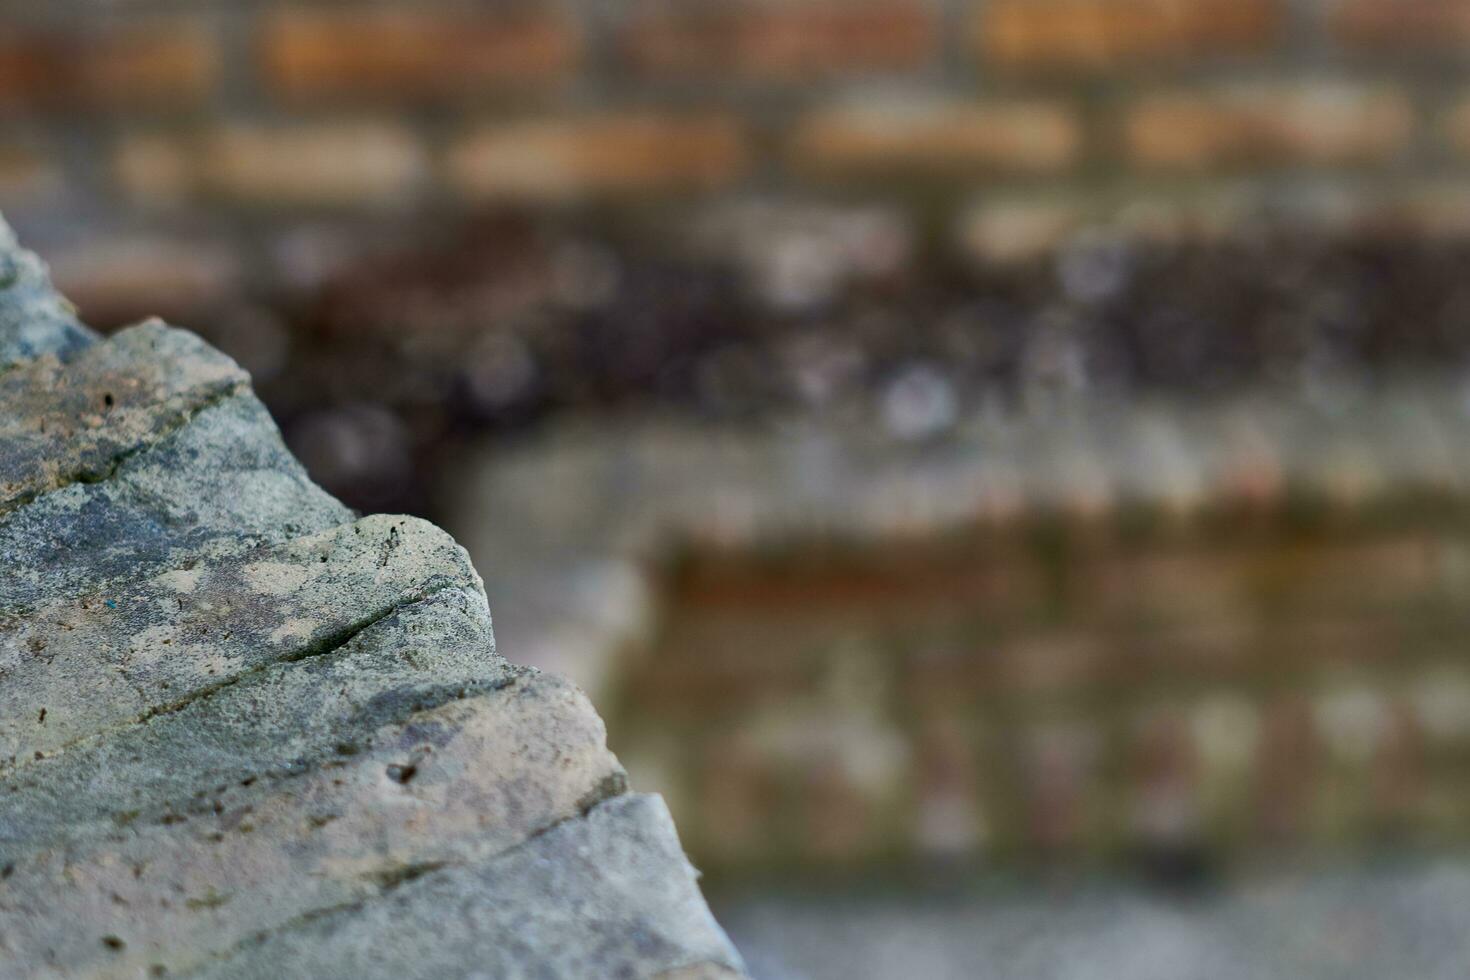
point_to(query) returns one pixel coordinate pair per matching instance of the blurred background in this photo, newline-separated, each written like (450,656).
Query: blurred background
(1001,467)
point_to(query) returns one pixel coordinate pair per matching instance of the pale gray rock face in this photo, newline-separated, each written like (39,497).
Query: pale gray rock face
(34,319)
(588,898)
(243,733)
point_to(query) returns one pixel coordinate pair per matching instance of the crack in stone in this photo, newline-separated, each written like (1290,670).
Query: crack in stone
(323,647)
(109,469)
(389,879)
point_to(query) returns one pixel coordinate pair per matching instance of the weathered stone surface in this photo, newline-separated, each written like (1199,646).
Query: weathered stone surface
(274,721)
(75,423)
(128,653)
(223,481)
(244,734)
(440,787)
(588,898)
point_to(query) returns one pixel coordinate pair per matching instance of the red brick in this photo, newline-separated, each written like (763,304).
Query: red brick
(771,41)
(559,159)
(927,138)
(1108,34)
(406,54)
(1270,124)
(1397,24)
(154,66)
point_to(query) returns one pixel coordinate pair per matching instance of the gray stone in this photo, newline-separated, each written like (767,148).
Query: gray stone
(126,654)
(592,897)
(242,733)
(223,481)
(76,422)
(34,319)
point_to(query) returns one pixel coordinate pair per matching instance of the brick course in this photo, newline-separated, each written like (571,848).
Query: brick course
(561,159)
(1400,24)
(1096,35)
(1317,124)
(1086,105)
(937,138)
(762,40)
(160,65)
(404,54)
(337,164)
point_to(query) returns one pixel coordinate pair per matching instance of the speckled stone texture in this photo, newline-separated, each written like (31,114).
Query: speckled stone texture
(245,734)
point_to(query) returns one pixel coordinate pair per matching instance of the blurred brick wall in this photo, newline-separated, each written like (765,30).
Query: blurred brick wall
(220,127)
(1175,699)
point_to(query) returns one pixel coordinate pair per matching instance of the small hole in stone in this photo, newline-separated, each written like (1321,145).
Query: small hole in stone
(402,774)
(113,943)
(41,718)
(107,399)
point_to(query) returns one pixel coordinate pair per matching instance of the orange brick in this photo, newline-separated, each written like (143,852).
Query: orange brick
(406,54)
(559,159)
(765,40)
(1401,23)
(1305,124)
(1105,34)
(160,65)
(333,165)
(936,138)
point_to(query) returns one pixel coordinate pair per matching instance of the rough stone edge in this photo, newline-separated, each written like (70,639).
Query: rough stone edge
(36,321)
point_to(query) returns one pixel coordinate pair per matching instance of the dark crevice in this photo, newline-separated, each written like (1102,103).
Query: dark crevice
(180,807)
(388,879)
(325,646)
(612,785)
